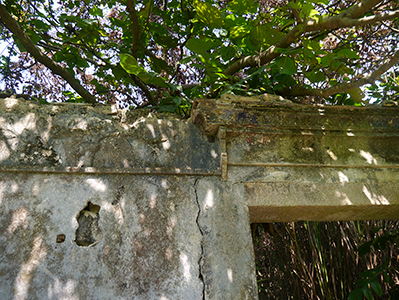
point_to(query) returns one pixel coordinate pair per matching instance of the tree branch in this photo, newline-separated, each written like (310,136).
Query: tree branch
(135,23)
(135,48)
(297,17)
(371,78)
(14,27)
(344,19)
(144,88)
(341,21)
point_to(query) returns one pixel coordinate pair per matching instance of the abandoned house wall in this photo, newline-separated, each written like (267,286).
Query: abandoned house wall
(314,163)
(105,204)
(98,204)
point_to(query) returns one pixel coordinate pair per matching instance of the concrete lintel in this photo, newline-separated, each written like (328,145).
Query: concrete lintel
(299,162)
(314,201)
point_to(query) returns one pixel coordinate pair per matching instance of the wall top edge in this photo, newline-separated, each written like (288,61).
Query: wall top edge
(281,114)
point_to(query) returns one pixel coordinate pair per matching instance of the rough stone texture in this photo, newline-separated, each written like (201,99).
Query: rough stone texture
(98,204)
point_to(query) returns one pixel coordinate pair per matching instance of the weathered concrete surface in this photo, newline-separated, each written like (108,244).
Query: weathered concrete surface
(87,139)
(228,260)
(149,248)
(97,204)
(101,204)
(298,162)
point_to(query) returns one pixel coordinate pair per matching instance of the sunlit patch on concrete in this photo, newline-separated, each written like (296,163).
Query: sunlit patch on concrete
(375,198)
(97,184)
(23,280)
(368,157)
(19,219)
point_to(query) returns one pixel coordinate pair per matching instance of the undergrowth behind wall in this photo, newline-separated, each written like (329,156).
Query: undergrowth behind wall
(321,260)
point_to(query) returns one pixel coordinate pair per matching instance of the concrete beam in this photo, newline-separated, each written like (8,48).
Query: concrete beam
(297,162)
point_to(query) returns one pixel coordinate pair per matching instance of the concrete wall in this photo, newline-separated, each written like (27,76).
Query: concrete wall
(315,163)
(98,204)
(104,204)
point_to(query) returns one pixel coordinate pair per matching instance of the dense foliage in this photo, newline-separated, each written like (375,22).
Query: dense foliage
(165,53)
(327,260)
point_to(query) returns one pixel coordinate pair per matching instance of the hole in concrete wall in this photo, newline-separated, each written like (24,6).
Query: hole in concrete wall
(60,238)
(88,233)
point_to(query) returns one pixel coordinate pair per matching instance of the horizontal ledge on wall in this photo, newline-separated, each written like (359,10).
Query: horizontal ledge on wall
(290,165)
(93,171)
(316,131)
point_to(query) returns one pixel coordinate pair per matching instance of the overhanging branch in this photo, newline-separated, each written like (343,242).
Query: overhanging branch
(347,18)
(368,79)
(144,88)
(14,27)
(135,24)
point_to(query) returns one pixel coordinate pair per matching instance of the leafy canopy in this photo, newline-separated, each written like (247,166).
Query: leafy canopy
(165,53)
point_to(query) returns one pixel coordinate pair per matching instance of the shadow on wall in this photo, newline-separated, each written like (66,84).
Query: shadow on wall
(131,231)
(82,138)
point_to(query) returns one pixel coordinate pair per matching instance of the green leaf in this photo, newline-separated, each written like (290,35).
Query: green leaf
(356,94)
(347,53)
(129,63)
(187,59)
(33,36)
(325,60)
(367,293)
(281,80)
(308,11)
(239,32)
(265,35)
(20,46)
(232,20)
(294,5)
(152,78)
(356,294)
(361,282)
(200,46)
(117,22)
(165,41)
(375,285)
(286,64)
(242,7)
(96,11)
(146,11)
(208,14)
(119,72)
(159,65)
(80,62)
(316,76)
(39,24)
(365,248)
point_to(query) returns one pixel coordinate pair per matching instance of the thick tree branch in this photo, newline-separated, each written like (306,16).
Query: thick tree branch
(135,23)
(295,12)
(145,89)
(371,78)
(347,18)
(14,27)
(341,21)
(130,5)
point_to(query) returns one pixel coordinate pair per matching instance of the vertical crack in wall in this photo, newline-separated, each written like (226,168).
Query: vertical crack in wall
(201,277)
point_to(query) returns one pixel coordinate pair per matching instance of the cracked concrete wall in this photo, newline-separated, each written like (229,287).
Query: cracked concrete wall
(299,162)
(227,261)
(99,204)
